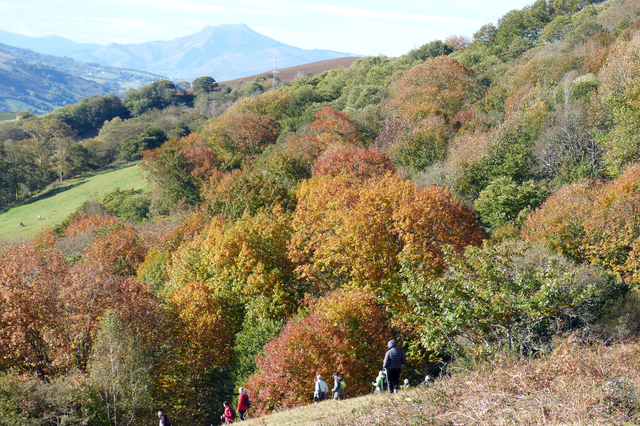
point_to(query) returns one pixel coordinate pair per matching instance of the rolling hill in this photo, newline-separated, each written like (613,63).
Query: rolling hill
(289,74)
(114,79)
(38,83)
(36,87)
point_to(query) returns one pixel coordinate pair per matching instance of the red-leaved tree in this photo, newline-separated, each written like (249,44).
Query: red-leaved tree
(347,332)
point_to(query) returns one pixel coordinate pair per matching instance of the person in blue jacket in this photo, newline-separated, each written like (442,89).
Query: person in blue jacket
(393,361)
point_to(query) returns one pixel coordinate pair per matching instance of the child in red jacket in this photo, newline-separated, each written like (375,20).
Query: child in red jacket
(228,415)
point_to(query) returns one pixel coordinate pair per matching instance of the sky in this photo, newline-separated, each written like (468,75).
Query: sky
(365,27)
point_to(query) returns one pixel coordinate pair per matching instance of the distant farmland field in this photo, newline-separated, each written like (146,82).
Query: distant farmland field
(7,116)
(56,204)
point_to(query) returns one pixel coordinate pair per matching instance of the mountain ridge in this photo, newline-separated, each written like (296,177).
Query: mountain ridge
(225,52)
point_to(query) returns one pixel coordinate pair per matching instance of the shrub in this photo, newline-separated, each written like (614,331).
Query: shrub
(503,200)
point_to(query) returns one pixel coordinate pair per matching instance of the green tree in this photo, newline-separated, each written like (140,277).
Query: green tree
(430,50)
(503,200)
(132,146)
(172,172)
(128,204)
(250,341)
(247,192)
(204,83)
(496,296)
(79,159)
(159,94)
(61,138)
(11,398)
(92,112)
(157,137)
(120,374)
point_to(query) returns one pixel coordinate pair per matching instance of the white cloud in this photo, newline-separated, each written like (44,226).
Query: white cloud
(346,11)
(195,7)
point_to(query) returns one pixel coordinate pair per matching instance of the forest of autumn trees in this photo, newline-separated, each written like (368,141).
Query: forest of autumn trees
(471,197)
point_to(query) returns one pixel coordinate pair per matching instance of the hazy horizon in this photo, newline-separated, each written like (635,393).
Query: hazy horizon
(354,26)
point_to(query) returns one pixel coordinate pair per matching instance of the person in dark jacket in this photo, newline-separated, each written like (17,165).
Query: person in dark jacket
(393,361)
(338,392)
(164,420)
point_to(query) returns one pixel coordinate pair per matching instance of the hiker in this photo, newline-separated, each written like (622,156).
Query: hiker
(406,384)
(164,420)
(243,404)
(229,414)
(428,380)
(338,387)
(379,383)
(393,361)
(320,392)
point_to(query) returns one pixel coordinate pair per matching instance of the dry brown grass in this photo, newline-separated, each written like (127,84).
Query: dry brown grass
(575,385)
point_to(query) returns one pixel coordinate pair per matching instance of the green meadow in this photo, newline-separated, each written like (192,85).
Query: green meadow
(56,203)
(7,116)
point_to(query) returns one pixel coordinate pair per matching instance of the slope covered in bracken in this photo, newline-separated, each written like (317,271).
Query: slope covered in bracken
(575,384)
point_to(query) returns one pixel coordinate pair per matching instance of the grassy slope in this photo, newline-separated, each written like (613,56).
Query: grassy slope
(575,385)
(58,203)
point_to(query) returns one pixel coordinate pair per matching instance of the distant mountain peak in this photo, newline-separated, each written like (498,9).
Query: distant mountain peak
(228,29)
(226,26)
(223,51)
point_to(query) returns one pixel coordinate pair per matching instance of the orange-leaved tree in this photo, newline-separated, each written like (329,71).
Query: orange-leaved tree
(594,222)
(103,279)
(91,293)
(33,336)
(351,231)
(346,331)
(232,270)
(361,163)
(423,106)
(438,87)
(118,251)
(330,129)
(559,222)
(612,233)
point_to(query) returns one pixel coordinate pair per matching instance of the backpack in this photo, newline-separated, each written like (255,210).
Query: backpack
(343,384)
(246,400)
